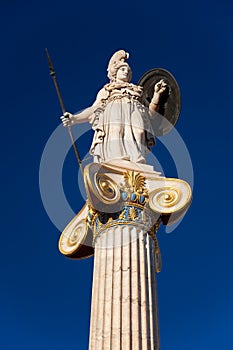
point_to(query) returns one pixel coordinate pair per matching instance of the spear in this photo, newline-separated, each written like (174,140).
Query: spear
(53,75)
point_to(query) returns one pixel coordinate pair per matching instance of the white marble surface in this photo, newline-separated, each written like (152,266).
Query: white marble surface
(124,297)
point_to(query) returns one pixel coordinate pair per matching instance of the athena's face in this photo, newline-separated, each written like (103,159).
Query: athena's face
(123,73)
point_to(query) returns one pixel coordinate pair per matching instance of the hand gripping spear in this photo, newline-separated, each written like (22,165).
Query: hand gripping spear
(53,75)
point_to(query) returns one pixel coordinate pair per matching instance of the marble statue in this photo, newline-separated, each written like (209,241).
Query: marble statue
(127,201)
(120,116)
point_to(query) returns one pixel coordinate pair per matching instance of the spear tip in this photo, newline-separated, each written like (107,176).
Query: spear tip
(51,68)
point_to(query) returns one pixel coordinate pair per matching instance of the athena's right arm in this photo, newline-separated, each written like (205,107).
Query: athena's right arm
(86,115)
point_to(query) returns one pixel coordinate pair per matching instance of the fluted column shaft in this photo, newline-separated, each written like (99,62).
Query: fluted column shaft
(124,313)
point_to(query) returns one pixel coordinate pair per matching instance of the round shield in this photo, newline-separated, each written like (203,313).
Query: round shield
(169,105)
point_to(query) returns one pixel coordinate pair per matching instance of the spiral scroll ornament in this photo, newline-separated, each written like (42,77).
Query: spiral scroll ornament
(76,240)
(72,238)
(107,189)
(172,198)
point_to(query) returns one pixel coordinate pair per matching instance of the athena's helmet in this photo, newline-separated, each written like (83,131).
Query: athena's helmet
(117,61)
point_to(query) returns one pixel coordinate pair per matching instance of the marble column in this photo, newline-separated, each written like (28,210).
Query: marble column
(124,312)
(119,222)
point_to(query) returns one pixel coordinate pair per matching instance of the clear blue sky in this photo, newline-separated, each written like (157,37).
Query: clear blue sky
(45,298)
